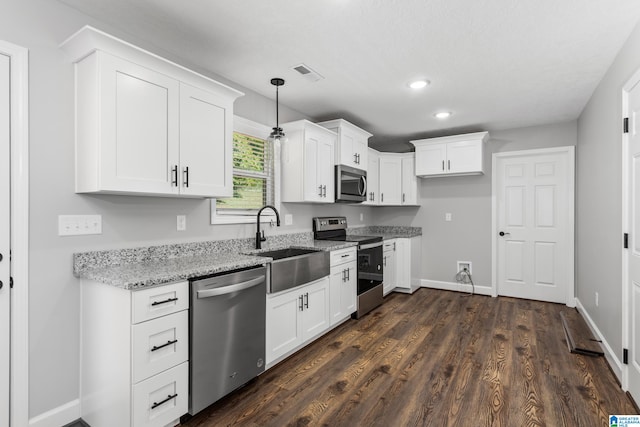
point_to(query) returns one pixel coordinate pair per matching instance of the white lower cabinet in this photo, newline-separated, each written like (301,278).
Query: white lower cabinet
(344,284)
(134,355)
(295,317)
(389,275)
(401,263)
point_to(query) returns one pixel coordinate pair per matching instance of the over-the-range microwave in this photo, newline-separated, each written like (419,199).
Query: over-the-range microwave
(351,184)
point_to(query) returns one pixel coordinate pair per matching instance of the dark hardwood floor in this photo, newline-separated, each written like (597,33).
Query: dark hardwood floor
(434,358)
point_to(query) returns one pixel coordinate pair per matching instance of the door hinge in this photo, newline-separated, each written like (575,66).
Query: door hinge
(626,240)
(625,125)
(625,356)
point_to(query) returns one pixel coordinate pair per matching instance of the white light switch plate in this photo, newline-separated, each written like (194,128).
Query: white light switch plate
(76,225)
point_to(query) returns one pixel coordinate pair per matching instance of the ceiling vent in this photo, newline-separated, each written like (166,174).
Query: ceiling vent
(307,73)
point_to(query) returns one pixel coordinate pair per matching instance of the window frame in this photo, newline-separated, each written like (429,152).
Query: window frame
(258,130)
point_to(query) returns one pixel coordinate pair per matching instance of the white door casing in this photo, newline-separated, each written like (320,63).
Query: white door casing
(533,205)
(5,238)
(19,181)
(631,222)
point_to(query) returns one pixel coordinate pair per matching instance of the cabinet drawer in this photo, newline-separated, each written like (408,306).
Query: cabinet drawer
(159,344)
(159,301)
(389,245)
(343,255)
(162,398)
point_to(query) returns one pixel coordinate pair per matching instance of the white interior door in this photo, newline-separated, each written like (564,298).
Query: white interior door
(533,213)
(634,241)
(5,339)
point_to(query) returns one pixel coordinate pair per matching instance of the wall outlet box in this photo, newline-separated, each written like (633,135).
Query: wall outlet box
(464,264)
(76,225)
(288,219)
(181,223)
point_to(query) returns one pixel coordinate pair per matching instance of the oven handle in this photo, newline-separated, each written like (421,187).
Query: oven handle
(205,293)
(370,245)
(363,190)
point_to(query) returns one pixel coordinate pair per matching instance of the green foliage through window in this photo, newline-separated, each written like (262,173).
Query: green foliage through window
(252,174)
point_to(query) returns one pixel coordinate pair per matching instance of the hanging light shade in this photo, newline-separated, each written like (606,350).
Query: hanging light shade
(277,135)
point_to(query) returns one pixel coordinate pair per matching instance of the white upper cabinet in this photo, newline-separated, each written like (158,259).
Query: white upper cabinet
(450,155)
(397,181)
(373,178)
(308,163)
(352,144)
(145,125)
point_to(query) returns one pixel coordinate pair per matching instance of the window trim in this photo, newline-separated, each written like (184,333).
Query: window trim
(258,130)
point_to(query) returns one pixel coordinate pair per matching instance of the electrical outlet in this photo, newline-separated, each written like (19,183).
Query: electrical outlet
(181,223)
(288,219)
(361,216)
(447,217)
(597,297)
(464,265)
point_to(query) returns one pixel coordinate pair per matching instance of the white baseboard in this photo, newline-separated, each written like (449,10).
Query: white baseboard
(614,362)
(454,286)
(60,416)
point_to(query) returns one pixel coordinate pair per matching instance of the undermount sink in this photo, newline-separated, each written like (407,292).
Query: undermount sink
(293,267)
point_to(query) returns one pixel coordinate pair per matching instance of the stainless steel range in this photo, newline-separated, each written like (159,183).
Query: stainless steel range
(369,260)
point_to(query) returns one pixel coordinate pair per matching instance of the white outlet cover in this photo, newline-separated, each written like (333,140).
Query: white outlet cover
(447,217)
(77,225)
(181,223)
(288,219)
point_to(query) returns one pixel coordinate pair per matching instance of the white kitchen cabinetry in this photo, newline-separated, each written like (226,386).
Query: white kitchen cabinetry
(397,181)
(308,163)
(295,317)
(373,180)
(352,144)
(451,155)
(344,283)
(148,126)
(401,263)
(389,271)
(134,354)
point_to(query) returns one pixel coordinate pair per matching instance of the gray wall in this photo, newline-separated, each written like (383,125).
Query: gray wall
(599,197)
(468,236)
(40,26)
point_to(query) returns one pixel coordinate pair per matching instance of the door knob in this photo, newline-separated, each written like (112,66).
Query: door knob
(502,233)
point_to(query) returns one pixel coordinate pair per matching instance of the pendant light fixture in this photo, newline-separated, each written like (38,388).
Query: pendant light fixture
(277,135)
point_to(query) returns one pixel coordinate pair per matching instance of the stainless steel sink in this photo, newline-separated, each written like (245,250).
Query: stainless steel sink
(293,267)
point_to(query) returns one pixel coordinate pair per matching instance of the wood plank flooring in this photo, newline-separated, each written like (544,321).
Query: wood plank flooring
(433,358)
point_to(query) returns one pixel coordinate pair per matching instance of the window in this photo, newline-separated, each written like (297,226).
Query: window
(255,176)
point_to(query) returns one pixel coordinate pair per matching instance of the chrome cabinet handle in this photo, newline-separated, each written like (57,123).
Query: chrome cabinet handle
(382,197)
(448,164)
(306,304)
(355,158)
(186,176)
(174,175)
(320,189)
(324,191)
(384,261)
(164,301)
(348,274)
(443,165)
(402,197)
(301,303)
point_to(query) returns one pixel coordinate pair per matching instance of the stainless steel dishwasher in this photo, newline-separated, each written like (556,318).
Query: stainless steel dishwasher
(227,330)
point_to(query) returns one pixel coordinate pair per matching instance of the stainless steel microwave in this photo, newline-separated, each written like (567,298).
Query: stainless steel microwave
(351,184)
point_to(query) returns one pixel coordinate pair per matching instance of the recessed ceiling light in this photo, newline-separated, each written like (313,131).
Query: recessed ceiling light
(443,115)
(419,84)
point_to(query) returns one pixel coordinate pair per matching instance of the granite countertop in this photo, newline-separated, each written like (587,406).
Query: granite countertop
(137,268)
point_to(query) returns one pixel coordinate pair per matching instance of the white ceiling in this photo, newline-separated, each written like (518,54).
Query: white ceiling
(495,64)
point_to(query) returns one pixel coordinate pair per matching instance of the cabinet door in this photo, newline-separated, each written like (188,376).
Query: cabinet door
(349,289)
(284,326)
(373,194)
(139,128)
(390,180)
(336,281)
(313,190)
(409,181)
(326,170)
(464,157)
(361,148)
(431,159)
(389,274)
(403,264)
(315,315)
(206,152)
(347,148)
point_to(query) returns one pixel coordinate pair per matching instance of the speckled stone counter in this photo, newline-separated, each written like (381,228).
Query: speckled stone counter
(136,268)
(387,231)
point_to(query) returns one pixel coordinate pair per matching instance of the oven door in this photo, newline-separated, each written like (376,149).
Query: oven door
(369,266)
(351,184)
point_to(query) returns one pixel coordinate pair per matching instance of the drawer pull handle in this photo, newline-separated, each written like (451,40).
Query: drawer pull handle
(345,255)
(164,302)
(158,347)
(169,397)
